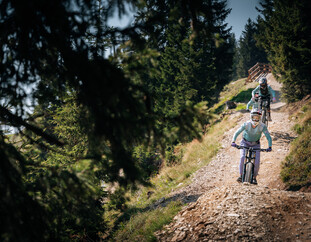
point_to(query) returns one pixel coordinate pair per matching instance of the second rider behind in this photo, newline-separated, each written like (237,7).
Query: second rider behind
(265,91)
(253,102)
(253,130)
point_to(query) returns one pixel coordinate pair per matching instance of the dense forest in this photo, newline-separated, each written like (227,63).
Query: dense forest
(84,120)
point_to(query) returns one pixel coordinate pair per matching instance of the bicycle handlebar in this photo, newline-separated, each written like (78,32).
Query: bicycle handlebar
(248,148)
(265,98)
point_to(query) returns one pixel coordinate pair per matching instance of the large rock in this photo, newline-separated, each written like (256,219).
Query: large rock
(230,104)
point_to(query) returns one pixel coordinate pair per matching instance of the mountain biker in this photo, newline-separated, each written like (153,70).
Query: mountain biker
(265,91)
(253,102)
(253,130)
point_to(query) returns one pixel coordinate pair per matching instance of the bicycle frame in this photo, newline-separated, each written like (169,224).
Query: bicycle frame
(249,163)
(263,104)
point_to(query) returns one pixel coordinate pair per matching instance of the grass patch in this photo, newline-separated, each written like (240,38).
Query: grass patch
(296,169)
(142,226)
(235,91)
(243,96)
(241,106)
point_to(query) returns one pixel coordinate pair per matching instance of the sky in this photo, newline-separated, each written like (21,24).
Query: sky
(241,11)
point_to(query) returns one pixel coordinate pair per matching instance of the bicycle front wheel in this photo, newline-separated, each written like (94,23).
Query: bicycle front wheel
(248,173)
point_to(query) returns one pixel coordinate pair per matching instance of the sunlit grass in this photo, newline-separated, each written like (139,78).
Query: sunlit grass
(142,226)
(296,169)
(235,91)
(240,106)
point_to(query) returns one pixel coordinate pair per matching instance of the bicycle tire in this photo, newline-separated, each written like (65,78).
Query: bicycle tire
(264,118)
(266,123)
(248,176)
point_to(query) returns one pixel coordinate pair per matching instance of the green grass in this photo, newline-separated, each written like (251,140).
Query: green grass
(243,96)
(142,226)
(240,106)
(237,92)
(296,169)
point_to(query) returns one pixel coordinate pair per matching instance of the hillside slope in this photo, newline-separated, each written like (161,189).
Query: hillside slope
(222,209)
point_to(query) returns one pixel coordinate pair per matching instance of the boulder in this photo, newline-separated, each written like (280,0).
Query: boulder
(230,104)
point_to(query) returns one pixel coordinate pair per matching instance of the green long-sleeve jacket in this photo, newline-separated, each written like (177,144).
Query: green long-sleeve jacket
(257,89)
(252,103)
(253,134)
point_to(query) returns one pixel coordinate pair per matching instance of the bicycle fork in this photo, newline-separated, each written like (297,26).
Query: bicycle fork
(249,166)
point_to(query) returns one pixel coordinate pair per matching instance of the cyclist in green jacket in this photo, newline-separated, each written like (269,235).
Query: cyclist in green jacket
(252,131)
(265,91)
(253,102)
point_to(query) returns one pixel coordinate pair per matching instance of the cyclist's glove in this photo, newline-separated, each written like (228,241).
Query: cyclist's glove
(233,144)
(269,149)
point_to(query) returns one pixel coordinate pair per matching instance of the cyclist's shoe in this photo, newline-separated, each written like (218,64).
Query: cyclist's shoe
(254,181)
(239,179)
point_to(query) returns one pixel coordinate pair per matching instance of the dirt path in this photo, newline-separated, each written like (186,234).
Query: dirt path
(222,209)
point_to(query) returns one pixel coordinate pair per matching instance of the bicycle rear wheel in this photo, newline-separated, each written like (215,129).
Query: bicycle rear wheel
(264,118)
(248,172)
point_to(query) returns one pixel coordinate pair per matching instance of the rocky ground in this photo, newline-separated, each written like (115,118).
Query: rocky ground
(221,209)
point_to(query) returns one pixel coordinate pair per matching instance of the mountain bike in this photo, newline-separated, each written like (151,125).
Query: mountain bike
(264,103)
(249,163)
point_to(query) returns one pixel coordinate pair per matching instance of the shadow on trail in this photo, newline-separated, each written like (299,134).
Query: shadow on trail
(182,197)
(278,96)
(162,202)
(279,102)
(282,137)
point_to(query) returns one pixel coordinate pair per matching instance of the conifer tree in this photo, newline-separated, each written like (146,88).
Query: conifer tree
(175,83)
(223,48)
(249,51)
(288,44)
(45,54)
(236,57)
(203,65)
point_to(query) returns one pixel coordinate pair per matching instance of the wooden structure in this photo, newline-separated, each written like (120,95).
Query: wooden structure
(257,71)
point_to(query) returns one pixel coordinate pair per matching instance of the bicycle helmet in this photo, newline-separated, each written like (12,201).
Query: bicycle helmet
(263,82)
(256,96)
(255,117)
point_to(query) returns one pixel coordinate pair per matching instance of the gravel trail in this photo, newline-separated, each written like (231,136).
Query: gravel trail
(221,209)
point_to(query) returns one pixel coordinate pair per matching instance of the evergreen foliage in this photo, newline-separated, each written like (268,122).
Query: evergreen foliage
(236,57)
(248,51)
(91,113)
(285,35)
(189,66)
(193,67)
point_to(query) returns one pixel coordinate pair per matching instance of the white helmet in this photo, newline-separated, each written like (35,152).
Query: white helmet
(255,117)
